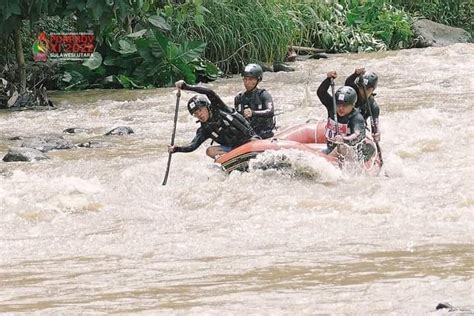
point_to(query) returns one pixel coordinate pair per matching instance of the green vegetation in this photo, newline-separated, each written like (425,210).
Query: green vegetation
(450,12)
(240,31)
(132,49)
(384,21)
(143,43)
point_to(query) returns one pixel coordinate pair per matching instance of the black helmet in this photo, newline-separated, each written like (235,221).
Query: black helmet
(346,95)
(196,102)
(369,79)
(254,71)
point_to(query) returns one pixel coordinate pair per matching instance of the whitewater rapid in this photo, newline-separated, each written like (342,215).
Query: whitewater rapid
(92,230)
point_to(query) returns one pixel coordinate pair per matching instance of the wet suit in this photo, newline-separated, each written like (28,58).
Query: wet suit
(347,125)
(261,104)
(225,126)
(361,103)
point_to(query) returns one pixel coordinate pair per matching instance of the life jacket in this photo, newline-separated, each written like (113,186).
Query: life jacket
(253,100)
(229,128)
(342,128)
(363,105)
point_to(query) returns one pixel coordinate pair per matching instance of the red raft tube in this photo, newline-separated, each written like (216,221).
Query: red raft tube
(307,137)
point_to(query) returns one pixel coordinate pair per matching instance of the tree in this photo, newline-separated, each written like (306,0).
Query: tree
(12,15)
(90,14)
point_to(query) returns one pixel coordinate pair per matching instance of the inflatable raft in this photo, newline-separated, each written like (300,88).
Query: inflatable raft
(307,137)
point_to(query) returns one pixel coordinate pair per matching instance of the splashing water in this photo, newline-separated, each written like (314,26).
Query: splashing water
(297,164)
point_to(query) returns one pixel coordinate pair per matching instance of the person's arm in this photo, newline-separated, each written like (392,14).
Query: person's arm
(375,115)
(350,81)
(236,101)
(358,131)
(374,108)
(193,145)
(323,95)
(216,101)
(267,102)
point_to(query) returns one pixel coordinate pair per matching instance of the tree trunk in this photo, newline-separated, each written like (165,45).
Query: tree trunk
(307,49)
(20,59)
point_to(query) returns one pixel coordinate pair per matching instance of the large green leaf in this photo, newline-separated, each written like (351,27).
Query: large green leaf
(74,80)
(187,72)
(78,68)
(97,8)
(159,45)
(192,50)
(138,33)
(113,60)
(159,22)
(94,61)
(144,49)
(143,71)
(199,19)
(126,47)
(212,71)
(123,9)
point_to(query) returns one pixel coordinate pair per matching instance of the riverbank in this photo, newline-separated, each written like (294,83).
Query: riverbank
(153,45)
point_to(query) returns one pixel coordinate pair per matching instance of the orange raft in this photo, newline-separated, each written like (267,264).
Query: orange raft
(307,137)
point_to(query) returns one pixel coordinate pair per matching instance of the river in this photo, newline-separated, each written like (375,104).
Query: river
(93,231)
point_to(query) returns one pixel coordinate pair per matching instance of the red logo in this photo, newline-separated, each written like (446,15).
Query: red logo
(66,46)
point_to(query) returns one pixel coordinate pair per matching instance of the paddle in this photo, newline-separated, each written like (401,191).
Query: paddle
(334,105)
(372,121)
(178,95)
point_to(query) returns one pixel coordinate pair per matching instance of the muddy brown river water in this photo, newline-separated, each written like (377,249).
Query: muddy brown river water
(93,231)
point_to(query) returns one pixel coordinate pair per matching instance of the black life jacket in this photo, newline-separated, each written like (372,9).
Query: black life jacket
(229,128)
(253,100)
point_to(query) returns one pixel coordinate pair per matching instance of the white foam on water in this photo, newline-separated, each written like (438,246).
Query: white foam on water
(38,197)
(297,163)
